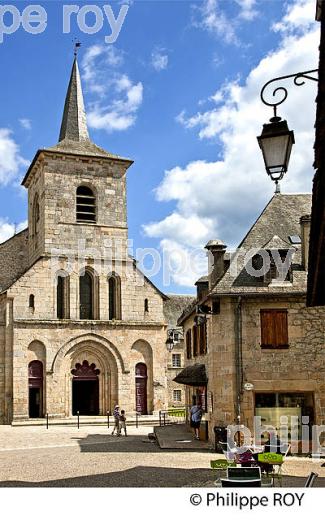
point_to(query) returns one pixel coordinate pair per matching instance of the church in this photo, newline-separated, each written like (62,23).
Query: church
(81,328)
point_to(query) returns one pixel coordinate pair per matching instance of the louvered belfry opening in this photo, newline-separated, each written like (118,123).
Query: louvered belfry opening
(86,205)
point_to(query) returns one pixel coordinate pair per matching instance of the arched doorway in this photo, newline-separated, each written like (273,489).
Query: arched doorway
(141,379)
(35,389)
(85,389)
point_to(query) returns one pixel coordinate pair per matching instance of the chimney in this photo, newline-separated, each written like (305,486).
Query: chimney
(216,255)
(305,231)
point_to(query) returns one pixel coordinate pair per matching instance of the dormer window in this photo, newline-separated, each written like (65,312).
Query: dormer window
(280,267)
(86,205)
(273,266)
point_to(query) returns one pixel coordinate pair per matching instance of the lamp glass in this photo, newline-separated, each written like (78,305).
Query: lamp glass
(276,143)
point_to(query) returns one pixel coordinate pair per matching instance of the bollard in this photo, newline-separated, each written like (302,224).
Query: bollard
(78,420)
(107,419)
(47,421)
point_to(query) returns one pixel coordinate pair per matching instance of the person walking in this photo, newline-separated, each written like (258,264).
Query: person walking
(196,413)
(116,415)
(123,423)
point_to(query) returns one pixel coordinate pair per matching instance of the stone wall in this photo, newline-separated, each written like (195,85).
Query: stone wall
(300,368)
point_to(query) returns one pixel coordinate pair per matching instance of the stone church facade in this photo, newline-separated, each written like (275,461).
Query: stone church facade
(81,329)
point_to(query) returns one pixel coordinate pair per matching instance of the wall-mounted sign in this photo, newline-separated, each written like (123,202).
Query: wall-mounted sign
(248,386)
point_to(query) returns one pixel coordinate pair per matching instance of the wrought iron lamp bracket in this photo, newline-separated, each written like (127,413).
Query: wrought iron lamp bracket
(299,79)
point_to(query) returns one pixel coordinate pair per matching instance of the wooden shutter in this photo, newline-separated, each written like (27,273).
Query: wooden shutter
(281,339)
(195,343)
(274,328)
(189,344)
(203,338)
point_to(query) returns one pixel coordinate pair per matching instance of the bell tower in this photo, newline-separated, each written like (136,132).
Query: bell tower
(76,190)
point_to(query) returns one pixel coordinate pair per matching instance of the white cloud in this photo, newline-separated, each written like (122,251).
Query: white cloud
(117,98)
(159,59)
(226,195)
(298,17)
(213,18)
(7,230)
(247,9)
(10,159)
(26,123)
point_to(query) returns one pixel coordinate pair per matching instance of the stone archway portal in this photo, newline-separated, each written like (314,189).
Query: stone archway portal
(85,389)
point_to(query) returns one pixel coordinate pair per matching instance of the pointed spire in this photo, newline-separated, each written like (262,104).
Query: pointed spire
(74,123)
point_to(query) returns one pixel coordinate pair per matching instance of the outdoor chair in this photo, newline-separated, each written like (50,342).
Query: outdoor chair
(272,462)
(229,453)
(221,465)
(242,477)
(311,479)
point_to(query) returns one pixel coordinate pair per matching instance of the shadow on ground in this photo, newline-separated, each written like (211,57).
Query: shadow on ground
(150,477)
(98,443)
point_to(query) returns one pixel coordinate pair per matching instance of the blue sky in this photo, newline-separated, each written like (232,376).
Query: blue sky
(178,92)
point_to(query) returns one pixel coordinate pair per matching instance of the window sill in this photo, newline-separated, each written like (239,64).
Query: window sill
(274,347)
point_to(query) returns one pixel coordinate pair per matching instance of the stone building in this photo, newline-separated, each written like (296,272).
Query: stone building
(81,329)
(173,308)
(260,349)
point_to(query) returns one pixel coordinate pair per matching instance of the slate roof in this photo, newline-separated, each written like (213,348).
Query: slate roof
(13,259)
(279,220)
(74,137)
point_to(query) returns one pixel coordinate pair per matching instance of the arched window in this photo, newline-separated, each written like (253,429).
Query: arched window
(35,216)
(32,302)
(86,205)
(63,297)
(114,297)
(86,284)
(146,305)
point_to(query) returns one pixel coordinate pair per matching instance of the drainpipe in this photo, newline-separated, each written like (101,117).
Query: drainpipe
(238,358)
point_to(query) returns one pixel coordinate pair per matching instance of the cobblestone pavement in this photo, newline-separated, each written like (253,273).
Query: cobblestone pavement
(92,457)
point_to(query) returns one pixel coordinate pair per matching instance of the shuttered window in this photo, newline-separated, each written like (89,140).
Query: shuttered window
(203,338)
(86,205)
(189,344)
(195,341)
(274,328)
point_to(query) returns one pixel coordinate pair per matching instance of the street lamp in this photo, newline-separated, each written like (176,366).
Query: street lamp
(276,143)
(173,337)
(276,139)
(169,344)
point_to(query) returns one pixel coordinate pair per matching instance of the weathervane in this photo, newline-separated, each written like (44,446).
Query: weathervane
(77,45)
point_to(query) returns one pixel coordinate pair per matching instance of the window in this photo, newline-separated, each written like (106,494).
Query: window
(177,395)
(114,297)
(202,330)
(86,205)
(146,305)
(35,216)
(86,285)
(32,302)
(63,297)
(195,341)
(189,344)
(279,268)
(176,360)
(274,328)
